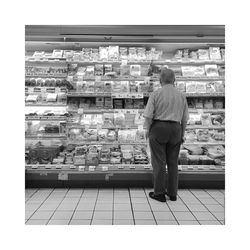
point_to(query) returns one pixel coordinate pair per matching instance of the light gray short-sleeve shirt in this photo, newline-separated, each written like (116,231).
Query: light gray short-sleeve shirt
(167,103)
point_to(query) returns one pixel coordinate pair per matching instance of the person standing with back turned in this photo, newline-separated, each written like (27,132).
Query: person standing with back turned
(166,116)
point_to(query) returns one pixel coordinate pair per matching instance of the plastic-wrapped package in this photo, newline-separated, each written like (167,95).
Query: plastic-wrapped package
(203,54)
(99,87)
(139,119)
(200,87)
(86,119)
(203,135)
(222,51)
(218,135)
(178,54)
(94,54)
(219,86)
(99,70)
(103,53)
(132,54)
(108,120)
(190,135)
(217,119)
(123,53)
(211,70)
(104,155)
(199,103)
(119,119)
(194,149)
(135,70)
(128,103)
(113,53)
(218,104)
(138,103)
(206,120)
(129,119)
(132,87)
(107,68)
(118,103)
(215,151)
(90,87)
(194,119)
(193,55)
(108,103)
(210,87)
(102,134)
(205,160)
(107,86)
(140,135)
(214,53)
(191,87)
(208,104)
(181,86)
(90,135)
(141,53)
(193,159)
(183,153)
(124,70)
(51,97)
(75,134)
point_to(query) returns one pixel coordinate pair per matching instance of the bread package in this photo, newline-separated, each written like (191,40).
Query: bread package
(203,54)
(191,87)
(181,86)
(206,120)
(214,53)
(103,53)
(201,87)
(211,70)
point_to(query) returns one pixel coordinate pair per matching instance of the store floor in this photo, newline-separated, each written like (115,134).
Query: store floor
(122,207)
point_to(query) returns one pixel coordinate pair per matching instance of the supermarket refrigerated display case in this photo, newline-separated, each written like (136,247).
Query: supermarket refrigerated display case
(84,103)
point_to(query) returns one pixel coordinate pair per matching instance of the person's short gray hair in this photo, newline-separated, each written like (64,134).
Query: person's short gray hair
(167,75)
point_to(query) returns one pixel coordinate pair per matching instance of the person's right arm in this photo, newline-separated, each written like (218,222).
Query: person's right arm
(184,119)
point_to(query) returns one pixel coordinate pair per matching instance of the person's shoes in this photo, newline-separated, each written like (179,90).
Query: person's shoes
(172,198)
(158,197)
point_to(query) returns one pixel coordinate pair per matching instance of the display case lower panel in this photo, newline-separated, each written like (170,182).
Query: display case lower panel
(36,179)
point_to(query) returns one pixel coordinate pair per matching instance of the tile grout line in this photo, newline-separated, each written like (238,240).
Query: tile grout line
(216,199)
(76,206)
(131,205)
(39,206)
(32,195)
(203,205)
(94,207)
(188,208)
(173,214)
(57,207)
(150,206)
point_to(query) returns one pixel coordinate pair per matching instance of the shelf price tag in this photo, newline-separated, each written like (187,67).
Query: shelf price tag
(63,176)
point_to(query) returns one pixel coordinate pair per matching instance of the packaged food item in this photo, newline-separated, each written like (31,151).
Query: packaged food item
(123,53)
(99,102)
(139,119)
(90,135)
(113,53)
(208,104)
(190,135)
(140,155)
(75,134)
(222,51)
(214,53)
(90,87)
(194,119)
(118,103)
(217,119)
(210,88)
(221,70)
(32,98)
(135,70)
(218,135)
(188,71)
(108,86)
(141,54)
(99,70)
(51,97)
(132,87)
(219,86)
(102,134)
(211,70)
(77,56)
(206,120)
(203,135)
(183,153)
(199,103)
(57,53)
(138,103)
(94,54)
(193,159)
(107,68)
(218,104)
(178,54)
(193,55)
(104,155)
(108,119)
(108,102)
(119,119)
(203,54)
(132,54)
(128,103)
(140,135)
(205,160)
(215,151)
(99,87)
(103,53)
(90,71)
(86,119)
(124,70)
(186,53)
(181,86)
(201,87)
(190,87)
(127,154)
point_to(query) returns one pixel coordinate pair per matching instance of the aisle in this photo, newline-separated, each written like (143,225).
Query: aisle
(122,207)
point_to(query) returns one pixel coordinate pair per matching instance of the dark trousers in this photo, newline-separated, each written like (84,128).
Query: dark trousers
(165,142)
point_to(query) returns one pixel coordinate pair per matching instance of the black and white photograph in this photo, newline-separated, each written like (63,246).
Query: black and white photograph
(125,124)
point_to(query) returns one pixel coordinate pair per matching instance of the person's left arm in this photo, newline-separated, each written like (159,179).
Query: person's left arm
(149,114)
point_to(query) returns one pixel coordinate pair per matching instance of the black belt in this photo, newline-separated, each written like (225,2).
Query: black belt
(169,121)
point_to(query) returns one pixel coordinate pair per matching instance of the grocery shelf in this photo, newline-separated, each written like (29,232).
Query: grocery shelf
(46,75)
(46,104)
(204,94)
(46,136)
(204,127)
(191,110)
(106,143)
(45,118)
(205,143)
(44,59)
(82,94)
(166,61)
